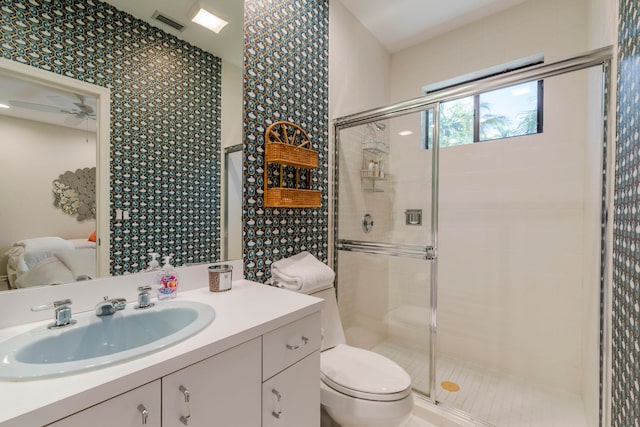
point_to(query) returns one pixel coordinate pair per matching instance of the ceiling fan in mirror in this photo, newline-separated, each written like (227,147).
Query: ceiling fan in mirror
(78,111)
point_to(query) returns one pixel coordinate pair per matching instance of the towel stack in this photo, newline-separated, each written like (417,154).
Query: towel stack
(302,273)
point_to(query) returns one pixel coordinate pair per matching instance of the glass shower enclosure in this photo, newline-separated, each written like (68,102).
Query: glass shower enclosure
(389,233)
(479,268)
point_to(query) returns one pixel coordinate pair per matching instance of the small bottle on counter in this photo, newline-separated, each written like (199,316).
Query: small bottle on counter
(167,281)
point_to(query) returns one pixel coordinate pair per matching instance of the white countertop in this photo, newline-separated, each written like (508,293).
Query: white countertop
(247,311)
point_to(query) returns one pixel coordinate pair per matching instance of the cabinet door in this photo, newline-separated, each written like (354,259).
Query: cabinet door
(223,390)
(292,398)
(125,410)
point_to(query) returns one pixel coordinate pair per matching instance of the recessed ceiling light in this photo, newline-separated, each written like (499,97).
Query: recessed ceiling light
(4,106)
(405,133)
(207,19)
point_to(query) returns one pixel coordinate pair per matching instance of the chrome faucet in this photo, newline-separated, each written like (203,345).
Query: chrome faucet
(144,298)
(62,313)
(110,306)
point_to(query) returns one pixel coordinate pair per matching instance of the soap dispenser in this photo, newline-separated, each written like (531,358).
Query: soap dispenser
(153,264)
(167,280)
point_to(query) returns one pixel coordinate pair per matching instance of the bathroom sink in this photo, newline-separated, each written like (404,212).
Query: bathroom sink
(95,342)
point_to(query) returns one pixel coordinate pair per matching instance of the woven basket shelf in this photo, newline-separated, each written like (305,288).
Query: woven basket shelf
(291,198)
(288,144)
(276,152)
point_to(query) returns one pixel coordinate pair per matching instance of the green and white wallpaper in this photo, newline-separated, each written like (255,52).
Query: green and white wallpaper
(165,120)
(286,72)
(626,239)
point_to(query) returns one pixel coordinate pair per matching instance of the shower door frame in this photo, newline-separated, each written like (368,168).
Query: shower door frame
(598,57)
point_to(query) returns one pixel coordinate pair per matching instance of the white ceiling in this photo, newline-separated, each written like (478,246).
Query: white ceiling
(399,24)
(226,45)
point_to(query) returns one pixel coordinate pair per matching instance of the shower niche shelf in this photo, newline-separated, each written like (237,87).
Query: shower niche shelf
(374,155)
(287,144)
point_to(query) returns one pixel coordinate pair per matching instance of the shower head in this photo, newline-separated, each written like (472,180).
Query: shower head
(377,126)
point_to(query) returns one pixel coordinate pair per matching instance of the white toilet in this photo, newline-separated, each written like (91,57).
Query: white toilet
(359,388)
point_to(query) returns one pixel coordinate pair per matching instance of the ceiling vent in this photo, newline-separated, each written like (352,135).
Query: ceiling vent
(159,16)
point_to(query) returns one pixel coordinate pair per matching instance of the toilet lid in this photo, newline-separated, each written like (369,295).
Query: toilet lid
(363,373)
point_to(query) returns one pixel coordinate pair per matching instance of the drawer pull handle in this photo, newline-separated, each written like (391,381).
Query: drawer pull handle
(305,340)
(185,419)
(278,411)
(145,414)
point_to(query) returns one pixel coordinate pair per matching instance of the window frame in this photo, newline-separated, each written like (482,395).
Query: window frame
(476,116)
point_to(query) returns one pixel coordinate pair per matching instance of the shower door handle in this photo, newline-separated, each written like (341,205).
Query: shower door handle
(391,249)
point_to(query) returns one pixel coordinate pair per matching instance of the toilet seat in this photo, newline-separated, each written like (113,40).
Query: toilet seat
(363,374)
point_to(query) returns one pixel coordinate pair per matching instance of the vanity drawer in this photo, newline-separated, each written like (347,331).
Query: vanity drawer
(286,345)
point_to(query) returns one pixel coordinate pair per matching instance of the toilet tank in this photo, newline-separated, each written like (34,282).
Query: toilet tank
(332,331)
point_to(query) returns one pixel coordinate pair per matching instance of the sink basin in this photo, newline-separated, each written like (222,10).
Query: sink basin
(95,342)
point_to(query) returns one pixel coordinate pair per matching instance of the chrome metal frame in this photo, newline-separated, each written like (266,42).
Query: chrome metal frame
(608,172)
(536,72)
(391,249)
(225,241)
(599,57)
(435,207)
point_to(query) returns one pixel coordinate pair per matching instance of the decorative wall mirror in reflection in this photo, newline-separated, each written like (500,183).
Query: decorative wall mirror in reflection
(54,224)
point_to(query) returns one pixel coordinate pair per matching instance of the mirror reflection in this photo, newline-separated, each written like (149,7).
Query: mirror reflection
(174,112)
(48,184)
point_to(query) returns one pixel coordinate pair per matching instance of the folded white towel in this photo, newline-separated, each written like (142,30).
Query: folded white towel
(302,272)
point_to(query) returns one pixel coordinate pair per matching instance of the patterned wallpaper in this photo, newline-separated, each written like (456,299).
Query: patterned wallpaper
(285,78)
(165,120)
(626,250)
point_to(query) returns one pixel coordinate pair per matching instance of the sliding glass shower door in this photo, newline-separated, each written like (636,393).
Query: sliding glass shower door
(387,238)
(518,261)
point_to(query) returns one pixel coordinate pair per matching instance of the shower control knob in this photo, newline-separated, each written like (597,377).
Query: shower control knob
(367,223)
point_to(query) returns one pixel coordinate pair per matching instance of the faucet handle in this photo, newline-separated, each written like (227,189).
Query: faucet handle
(62,313)
(53,305)
(144,299)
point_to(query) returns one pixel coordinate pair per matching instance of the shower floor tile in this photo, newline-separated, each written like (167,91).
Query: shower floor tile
(486,396)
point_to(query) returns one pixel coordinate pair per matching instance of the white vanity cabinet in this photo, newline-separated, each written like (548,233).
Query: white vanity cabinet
(223,390)
(291,374)
(137,407)
(269,381)
(263,339)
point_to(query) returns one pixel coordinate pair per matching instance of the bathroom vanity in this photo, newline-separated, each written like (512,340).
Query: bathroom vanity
(256,364)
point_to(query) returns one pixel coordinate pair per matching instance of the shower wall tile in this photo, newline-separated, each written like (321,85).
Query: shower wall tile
(165,120)
(626,244)
(285,78)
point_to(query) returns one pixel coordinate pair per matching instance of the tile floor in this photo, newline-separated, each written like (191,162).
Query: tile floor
(414,421)
(493,399)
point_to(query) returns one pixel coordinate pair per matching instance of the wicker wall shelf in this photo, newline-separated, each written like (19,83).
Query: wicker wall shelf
(287,144)
(291,198)
(276,152)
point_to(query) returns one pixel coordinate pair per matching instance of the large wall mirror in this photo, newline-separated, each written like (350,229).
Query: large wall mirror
(64,217)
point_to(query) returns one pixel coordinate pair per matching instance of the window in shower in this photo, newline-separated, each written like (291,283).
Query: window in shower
(502,113)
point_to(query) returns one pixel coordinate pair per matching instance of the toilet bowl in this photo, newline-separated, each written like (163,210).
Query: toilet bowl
(358,388)
(361,388)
